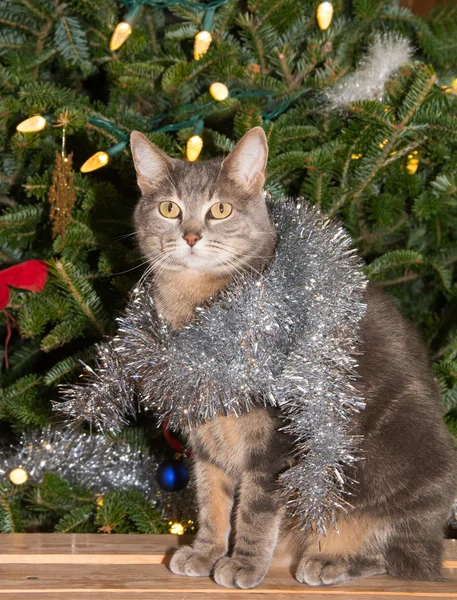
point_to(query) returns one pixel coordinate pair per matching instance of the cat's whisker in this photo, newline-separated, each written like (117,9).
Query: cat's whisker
(145,262)
(237,254)
(152,266)
(168,259)
(127,235)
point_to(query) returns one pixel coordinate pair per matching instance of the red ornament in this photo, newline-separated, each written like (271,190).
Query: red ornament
(30,275)
(172,441)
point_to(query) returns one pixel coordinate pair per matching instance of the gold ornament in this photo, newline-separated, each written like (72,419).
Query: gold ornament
(413,163)
(324,15)
(18,476)
(176,529)
(193,148)
(201,43)
(219,91)
(96,161)
(61,194)
(120,34)
(36,123)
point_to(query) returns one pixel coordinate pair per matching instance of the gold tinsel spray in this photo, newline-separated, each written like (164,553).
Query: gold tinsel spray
(62,192)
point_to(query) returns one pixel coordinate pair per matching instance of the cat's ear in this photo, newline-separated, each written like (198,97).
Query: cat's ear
(151,164)
(247,162)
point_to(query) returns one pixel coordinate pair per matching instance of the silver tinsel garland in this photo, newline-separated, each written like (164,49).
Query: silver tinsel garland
(93,461)
(285,339)
(98,463)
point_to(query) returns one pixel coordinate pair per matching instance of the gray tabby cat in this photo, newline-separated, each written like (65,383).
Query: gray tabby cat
(199,224)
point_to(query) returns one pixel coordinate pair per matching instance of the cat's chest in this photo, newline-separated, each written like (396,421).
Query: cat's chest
(235,444)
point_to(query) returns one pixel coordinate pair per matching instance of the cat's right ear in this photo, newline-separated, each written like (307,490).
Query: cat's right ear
(247,162)
(151,164)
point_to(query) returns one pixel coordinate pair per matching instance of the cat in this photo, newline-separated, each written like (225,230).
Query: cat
(198,225)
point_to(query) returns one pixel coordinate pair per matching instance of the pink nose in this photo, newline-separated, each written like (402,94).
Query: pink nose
(191,238)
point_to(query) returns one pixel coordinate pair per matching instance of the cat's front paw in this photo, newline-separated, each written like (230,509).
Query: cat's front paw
(190,562)
(322,569)
(235,572)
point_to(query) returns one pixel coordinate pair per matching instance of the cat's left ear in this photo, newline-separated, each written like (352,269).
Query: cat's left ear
(247,162)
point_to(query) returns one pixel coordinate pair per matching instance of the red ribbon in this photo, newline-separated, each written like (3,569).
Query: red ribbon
(173,442)
(30,275)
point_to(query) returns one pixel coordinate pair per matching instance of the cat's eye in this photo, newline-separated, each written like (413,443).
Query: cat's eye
(220,210)
(170,210)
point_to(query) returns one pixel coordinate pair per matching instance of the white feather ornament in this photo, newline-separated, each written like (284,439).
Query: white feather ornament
(384,58)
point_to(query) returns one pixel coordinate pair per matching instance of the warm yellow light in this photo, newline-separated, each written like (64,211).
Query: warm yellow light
(202,43)
(356,156)
(219,91)
(194,147)
(36,123)
(18,476)
(324,15)
(176,529)
(412,165)
(96,161)
(454,86)
(120,34)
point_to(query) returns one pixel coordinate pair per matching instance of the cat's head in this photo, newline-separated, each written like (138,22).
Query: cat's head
(208,217)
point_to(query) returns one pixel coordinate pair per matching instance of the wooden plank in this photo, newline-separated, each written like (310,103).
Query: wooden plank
(158,580)
(132,566)
(90,543)
(85,559)
(62,548)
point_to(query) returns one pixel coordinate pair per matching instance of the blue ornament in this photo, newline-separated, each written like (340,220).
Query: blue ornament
(172,475)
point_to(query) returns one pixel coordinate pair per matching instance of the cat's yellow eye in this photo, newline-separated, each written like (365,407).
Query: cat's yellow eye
(221,210)
(169,210)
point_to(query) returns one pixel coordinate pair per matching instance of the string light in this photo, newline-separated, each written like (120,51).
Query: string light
(413,163)
(101,158)
(36,123)
(193,148)
(120,35)
(219,91)
(123,30)
(383,143)
(18,476)
(96,161)
(324,15)
(356,156)
(176,528)
(195,143)
(204,38)
(454,86)
(202,43)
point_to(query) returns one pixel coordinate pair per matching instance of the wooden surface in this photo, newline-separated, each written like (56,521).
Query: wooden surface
(127,567)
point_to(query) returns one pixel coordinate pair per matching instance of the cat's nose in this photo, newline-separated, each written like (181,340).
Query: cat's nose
(191,238)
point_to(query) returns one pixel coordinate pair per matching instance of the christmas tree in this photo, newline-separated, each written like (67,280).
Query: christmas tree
(77,77)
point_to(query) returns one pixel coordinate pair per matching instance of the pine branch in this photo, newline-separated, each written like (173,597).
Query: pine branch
(6,517)
(66,277)
(33,9)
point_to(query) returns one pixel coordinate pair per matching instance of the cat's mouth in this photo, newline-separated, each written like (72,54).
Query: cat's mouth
(194,259)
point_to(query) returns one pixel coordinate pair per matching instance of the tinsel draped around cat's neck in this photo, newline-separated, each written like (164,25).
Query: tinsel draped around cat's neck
(285,339)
